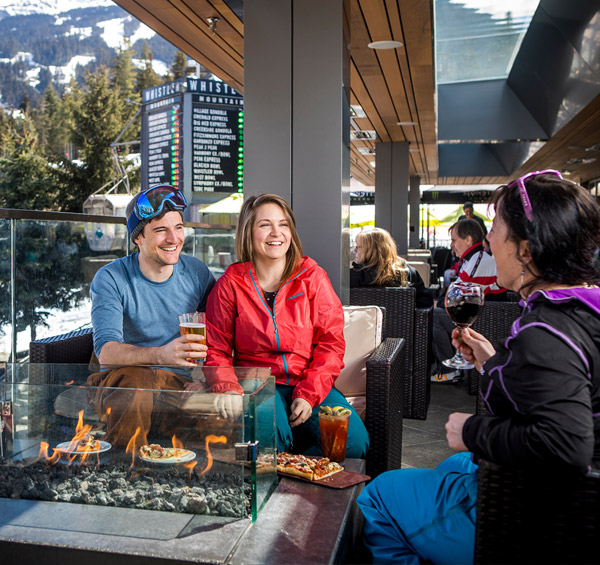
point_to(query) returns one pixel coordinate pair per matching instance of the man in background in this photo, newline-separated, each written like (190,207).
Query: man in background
(469,214)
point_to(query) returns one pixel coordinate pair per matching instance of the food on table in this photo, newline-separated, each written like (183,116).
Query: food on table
(310,468)
(88,443)
(156,452)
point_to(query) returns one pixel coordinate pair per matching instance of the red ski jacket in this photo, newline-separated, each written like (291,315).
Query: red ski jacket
(301,340)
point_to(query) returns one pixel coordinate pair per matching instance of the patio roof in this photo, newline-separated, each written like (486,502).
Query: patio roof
(544,113)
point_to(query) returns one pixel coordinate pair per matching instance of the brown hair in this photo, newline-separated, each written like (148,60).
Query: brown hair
(244,248)
(381,254)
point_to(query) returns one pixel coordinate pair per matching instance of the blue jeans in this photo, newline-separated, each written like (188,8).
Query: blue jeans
(413,515)
(306,438)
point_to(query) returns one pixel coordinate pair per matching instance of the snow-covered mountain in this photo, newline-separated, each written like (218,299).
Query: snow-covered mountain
(54,40)
(52,7)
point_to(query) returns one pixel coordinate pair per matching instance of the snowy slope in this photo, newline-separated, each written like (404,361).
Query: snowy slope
(52,7)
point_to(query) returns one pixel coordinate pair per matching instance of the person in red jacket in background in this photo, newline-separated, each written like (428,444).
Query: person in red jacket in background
(277,309)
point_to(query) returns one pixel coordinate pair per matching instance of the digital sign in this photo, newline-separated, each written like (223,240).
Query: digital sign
(164,145)
(217,148)
(192,136)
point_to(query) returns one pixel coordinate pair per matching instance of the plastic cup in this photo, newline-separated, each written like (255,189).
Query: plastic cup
(334,435)
(193,323)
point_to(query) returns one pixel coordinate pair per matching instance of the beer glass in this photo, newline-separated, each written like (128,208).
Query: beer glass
(193,323)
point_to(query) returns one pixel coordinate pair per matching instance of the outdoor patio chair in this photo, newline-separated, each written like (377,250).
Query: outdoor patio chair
(383,376)
(538,516)
(404,320)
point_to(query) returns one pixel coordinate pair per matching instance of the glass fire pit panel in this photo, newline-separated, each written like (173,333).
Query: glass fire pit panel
(138,437)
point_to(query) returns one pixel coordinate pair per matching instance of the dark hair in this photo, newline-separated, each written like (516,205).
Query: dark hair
(244,248)
(469,227)
(467,205)
(564,236)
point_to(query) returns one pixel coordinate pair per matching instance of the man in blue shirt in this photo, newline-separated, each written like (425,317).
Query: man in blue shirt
(136,299)
(135,305)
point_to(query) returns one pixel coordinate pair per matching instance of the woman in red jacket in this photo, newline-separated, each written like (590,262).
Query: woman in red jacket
(278,309)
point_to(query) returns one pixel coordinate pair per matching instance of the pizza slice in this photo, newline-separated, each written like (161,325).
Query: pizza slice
(325,468)
(88,443)
(157,452)
(312,469)
(297,465)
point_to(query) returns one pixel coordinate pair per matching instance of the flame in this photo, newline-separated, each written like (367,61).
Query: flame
(209,458)
(132,444)
(108,410)
(44,453)
(70,383)
(177,446)
(190,467)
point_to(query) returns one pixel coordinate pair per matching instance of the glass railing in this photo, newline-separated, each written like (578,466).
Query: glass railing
(48,260)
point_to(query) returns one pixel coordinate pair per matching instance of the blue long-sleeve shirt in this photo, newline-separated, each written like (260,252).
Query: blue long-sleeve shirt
(129,308)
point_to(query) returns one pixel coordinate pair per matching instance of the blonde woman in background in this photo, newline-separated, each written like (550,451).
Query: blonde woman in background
(378,264)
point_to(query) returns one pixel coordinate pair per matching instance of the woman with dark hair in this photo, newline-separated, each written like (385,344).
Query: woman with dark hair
(378,264)
(541,385)
(277,309)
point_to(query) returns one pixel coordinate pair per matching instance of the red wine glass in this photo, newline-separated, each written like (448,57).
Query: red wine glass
(464,301)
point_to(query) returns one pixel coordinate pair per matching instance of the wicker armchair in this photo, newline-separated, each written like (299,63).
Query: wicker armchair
(494,323)
(536,517)
(404,320)
(383,418)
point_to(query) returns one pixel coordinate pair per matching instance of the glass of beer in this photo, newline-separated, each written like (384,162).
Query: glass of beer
(334,432)
(193,323)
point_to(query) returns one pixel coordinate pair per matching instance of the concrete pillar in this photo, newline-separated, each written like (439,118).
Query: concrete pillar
(391,191)
(297,120)
(414,200)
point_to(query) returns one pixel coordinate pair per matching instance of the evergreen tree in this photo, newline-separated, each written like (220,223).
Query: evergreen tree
(26,179)
(179,68)
(146,77)
(124,71)
(98,122)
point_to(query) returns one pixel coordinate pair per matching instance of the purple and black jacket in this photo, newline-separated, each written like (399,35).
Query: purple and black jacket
(542,387)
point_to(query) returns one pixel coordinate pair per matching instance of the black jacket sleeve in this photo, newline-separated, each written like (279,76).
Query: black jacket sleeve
(539,393)
(422,299)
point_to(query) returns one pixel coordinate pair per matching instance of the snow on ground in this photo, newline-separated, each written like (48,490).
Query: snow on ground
(68,71)
(160,67)
(142,32)
(32,76)
(80,31)
(25,7)
(113,32)
(58,322)
(21,56)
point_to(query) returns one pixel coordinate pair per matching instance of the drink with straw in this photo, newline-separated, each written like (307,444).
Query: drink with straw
(334,431)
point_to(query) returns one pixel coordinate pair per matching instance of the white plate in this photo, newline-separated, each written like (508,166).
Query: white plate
(67,447)
(189,456)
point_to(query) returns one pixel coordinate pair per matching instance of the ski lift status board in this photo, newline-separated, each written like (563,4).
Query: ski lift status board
(192,134)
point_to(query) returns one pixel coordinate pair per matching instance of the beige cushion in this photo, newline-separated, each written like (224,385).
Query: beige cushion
(424,269)
(362,332)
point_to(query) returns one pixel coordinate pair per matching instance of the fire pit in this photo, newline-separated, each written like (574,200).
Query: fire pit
(59,445)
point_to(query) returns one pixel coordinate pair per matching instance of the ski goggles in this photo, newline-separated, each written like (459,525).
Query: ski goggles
(527,208)
(151,203)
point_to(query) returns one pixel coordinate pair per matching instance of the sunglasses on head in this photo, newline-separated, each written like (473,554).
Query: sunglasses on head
(520,182)
(151,203)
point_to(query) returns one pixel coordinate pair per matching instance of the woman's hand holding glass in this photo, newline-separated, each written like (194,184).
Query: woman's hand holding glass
(464,301)
(475,348)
